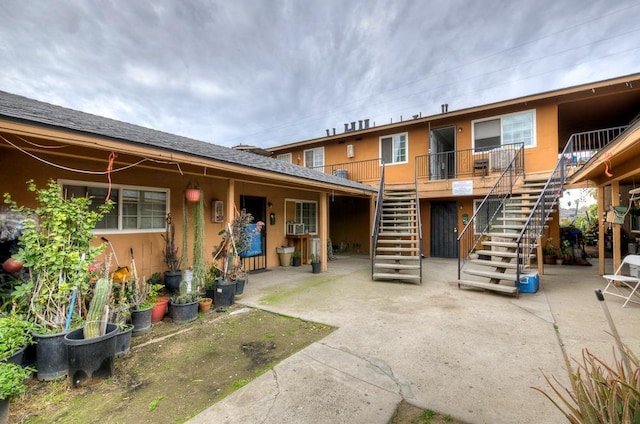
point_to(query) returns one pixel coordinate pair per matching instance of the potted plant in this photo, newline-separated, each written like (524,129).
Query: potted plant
(295,258)
(236,238)
(549,252)
(315,263)
(12,378)
(141,302)
(160,301)
(567,251)
(56,248)
(184,306)
(15,336)
(91,349)
(204,304)
(192,193)
(173,275)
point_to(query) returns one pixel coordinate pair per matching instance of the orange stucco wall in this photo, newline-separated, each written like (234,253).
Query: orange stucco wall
(148,247)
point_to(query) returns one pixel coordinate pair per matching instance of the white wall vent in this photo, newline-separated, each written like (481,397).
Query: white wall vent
(350,151)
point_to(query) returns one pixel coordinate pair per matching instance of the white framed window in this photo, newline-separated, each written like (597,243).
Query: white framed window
(482,219)
(393,148)
(136,209)
(498,131)
(285,157)
(314,158)
(302,212)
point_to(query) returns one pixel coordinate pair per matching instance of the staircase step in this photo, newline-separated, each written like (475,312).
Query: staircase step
(397,241)
(507,244)
(503,235)
(404,267)
(507,227)
(501,254)
(407,228)
(494,264)
(489,286)
(388,233)
(489,274)
(398,257)
(398,249)
(392,276)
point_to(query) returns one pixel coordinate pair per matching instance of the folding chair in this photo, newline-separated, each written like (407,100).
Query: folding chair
(628,285)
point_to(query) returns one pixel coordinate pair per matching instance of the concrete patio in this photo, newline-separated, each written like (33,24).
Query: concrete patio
(470,354)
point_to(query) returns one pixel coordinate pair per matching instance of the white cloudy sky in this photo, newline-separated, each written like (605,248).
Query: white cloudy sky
(269,72)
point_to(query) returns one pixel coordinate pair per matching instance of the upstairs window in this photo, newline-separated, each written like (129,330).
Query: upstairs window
(285,157)
(136,209)
(496,132)
(314,158)
(393,149)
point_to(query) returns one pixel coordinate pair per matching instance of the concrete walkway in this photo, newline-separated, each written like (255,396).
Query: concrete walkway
(470,354)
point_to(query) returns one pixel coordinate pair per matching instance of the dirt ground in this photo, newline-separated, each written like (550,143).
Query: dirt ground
(175,371)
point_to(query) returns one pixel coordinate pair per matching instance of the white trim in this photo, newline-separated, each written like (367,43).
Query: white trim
(393,138)
(534,135)
(120,188)
(285,157)
(315,149)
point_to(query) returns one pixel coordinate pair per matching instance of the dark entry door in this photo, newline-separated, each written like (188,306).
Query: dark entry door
(444,229)
(257,207)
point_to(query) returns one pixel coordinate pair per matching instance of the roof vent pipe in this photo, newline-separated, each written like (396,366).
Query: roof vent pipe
(353,126)
(366,123)
(334,131)
(327,130)
(359,125)
(346,127)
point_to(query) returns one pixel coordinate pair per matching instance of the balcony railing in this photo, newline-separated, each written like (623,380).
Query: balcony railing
(362,171)
(582,146)
(467,163)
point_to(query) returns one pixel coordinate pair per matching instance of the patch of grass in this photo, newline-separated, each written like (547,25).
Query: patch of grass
(303,286)
(155,403)
(267,336)
(239,383)
(426,416)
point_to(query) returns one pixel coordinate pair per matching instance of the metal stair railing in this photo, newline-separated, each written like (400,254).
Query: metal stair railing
(579,148)
(492,203)
(419,229)
(376,220)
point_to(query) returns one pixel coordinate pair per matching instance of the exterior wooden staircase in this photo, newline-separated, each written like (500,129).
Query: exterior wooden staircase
(496,268)
(397,248)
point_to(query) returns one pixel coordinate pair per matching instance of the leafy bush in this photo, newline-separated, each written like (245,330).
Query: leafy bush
(12,379)
(15,333)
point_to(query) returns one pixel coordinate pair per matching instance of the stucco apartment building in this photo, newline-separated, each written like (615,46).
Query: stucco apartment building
(455,158)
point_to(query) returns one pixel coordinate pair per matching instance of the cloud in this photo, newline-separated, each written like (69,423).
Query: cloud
(274,72)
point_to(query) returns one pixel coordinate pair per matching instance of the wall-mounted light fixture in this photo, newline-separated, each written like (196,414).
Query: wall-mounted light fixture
(270,205)
(459,129)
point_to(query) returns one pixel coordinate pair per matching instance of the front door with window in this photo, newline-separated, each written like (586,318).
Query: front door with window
(257,207)
(444,229)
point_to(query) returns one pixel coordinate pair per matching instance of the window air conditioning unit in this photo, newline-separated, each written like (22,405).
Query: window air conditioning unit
(500,158)
(295,229)
(350,151)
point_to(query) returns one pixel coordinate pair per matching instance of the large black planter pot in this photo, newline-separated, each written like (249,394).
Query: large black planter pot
(172,280)
(51,356)
(90,359)
(224,292)
(17,357)
(4,411)
(240,286)
(315,267)
(123,341)
(141,320)
(184,312)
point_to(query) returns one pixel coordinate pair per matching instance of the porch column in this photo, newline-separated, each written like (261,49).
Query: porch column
(231,198)
(602,228)
(324,232)
(617,242)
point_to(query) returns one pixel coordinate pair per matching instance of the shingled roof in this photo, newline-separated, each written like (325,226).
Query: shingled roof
(30,111)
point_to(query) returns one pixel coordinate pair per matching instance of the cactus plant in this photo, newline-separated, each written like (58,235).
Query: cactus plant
(96,323)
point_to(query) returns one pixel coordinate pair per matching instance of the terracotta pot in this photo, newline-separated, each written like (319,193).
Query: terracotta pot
(11,265)
(204,305)
(192,195)
(159,310)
